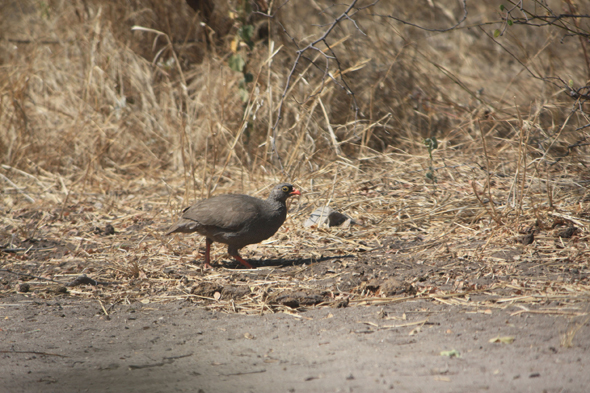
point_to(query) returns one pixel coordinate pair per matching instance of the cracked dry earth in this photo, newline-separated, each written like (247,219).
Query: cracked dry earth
(69,345)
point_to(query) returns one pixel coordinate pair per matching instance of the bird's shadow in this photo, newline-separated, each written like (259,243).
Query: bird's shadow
(283,262)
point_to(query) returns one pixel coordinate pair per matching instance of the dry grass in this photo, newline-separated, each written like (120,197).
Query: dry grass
(93,133)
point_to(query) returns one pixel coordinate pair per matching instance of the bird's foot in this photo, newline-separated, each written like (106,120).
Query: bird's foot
(243,262)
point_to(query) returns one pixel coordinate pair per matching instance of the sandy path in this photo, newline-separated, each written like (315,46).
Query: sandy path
(177,347)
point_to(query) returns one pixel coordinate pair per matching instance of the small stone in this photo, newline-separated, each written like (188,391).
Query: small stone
(327,216)
(109,230)
(567,232)
(528,238)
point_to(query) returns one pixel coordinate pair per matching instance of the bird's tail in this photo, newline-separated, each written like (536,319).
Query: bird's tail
(183,226)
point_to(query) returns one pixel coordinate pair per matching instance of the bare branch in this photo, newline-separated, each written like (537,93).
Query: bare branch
(350,11)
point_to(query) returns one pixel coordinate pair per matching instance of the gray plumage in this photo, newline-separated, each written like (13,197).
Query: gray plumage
(236,220)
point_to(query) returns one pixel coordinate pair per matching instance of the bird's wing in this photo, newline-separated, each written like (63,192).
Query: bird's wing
(225,212)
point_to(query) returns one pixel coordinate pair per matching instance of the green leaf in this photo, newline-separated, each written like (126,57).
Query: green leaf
(571,83)
(246,32)
(502,8)
(510,22)
(496,33)
(248,77)
(431,143)
(237,63)
(244,95)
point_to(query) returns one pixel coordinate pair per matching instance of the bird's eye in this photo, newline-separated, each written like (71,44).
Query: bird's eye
(285,189)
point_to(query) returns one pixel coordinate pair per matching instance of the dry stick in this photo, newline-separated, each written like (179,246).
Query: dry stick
(65,202)
(333,139)
(549,190)
(9,168)
(205,165)
(269,90)
(170,46)
(368,129)
(292,161)
(488,170)
(192,164)
(557,136)
(28,198)
(102,306)
(183,138)
(491,213)
(521,159)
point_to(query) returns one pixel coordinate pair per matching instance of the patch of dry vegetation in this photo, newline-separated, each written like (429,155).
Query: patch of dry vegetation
(104,125)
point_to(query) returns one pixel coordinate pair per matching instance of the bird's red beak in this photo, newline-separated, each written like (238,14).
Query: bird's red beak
(295,192)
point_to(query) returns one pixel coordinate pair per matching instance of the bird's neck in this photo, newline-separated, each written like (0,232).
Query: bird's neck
(277,205)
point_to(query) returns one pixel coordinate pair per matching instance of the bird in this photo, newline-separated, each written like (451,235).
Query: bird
(236,220)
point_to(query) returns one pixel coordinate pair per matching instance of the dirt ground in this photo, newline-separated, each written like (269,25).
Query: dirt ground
(69,345)
(122,309)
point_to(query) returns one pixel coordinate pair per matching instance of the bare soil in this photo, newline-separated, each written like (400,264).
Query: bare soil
(359,322)
(69,345)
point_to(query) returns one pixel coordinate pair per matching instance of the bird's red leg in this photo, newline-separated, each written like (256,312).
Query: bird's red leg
(207,253)
(242,261)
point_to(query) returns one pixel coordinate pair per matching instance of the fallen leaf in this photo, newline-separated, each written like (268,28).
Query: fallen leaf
(504,340)
(453,353)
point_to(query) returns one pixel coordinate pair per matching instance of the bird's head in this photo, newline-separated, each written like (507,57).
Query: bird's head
(283,191)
